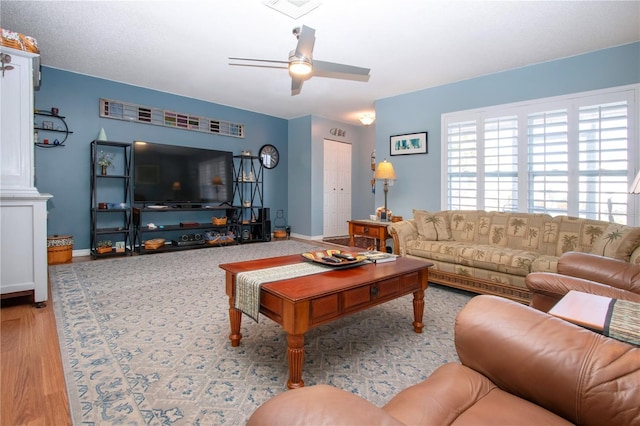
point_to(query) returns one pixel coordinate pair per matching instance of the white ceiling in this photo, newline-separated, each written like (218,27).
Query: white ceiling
(182,47)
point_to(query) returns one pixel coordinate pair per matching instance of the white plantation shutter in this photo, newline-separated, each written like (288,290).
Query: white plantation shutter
(501,163)
(462,166)
(548,162)
(603,161)
(574,155)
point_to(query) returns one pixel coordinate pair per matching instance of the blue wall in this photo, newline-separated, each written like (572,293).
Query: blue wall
(295,186)
(419,176)
(64,172)
(306,165)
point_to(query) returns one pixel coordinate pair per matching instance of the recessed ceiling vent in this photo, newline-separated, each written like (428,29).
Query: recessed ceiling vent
(292,8)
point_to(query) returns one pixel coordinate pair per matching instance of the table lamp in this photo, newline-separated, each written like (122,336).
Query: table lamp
(385,172)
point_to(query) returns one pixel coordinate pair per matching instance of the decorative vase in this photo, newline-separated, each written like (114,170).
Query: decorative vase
(102,136)
(104,170)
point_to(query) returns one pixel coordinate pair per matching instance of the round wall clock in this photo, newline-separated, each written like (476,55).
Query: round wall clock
(269,156)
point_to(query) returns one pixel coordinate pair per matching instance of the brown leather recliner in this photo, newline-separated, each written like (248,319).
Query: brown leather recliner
(588,273)
(518,366)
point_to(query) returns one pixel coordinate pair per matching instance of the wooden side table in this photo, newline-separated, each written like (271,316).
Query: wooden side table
(369,228)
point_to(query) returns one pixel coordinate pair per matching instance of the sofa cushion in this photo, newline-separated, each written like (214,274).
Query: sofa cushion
(502,259)
(432,226)
(491,258)
(617,241)
(498,229)
(470,225)
(446,251)
(545,263)
(567,233)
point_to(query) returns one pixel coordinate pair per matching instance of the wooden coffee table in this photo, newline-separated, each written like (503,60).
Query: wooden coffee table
(299,304)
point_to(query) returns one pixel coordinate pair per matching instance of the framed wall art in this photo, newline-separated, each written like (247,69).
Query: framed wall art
(411,143)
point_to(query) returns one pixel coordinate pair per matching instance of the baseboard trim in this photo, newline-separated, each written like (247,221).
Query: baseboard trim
(78,253)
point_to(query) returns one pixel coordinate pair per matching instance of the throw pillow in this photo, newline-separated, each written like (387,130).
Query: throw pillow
(617,241)
(432,226)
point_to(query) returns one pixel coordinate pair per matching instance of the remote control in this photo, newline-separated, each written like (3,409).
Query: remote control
(344,256)
(331,259)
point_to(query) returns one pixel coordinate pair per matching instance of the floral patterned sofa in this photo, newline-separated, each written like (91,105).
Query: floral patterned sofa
(492,252)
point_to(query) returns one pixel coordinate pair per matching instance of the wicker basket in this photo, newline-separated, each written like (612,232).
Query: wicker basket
(19,41)
(280,233)
(154,244)
(219,220)
(59,249)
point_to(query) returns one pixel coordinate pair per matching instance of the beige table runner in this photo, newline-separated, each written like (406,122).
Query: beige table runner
(248,283)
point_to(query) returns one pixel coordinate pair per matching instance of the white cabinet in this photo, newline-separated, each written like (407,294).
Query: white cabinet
(23,222)
(336,188)
(16,119)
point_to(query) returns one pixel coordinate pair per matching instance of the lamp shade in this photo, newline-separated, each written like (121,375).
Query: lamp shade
(385,171)
(635,186)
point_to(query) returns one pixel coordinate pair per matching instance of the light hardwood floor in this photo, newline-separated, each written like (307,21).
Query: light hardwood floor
(32,385)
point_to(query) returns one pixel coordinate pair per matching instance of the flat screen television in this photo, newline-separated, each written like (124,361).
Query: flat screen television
(169,174)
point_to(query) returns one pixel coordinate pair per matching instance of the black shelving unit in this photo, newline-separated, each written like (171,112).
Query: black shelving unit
(248,196)
(186,235)
(111,195)
(55,129)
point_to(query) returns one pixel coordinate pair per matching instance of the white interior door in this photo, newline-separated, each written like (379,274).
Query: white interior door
(337,188)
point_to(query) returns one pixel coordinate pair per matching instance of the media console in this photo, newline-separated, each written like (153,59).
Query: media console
(184,226)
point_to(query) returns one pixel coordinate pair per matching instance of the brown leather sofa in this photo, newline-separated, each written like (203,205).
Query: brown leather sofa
(588,273)
(518,366)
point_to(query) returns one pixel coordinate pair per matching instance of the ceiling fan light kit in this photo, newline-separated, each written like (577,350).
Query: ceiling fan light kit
(301,65)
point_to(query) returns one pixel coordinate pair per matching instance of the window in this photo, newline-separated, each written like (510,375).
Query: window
(573,155)
(463,165)
(501,163)
(548,163)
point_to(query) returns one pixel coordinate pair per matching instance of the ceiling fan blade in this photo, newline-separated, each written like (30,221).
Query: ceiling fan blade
(280,67)
(345,72)
(273,61)
(306,40)
(296,85)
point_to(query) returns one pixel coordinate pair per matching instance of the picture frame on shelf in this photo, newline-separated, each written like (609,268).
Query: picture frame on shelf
(120,247)
(410,143)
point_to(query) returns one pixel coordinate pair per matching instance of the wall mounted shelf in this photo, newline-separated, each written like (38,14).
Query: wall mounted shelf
(56,119)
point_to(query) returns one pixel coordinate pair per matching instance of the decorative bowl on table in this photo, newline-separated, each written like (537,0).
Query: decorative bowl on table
(335,258)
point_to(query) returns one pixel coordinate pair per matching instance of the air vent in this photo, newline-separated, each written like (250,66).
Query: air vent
(292,8)
(119,110)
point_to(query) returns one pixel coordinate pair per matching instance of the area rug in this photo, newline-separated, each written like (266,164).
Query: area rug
(144,340)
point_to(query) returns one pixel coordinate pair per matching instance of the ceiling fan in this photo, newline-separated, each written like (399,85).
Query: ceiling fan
(302,66)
